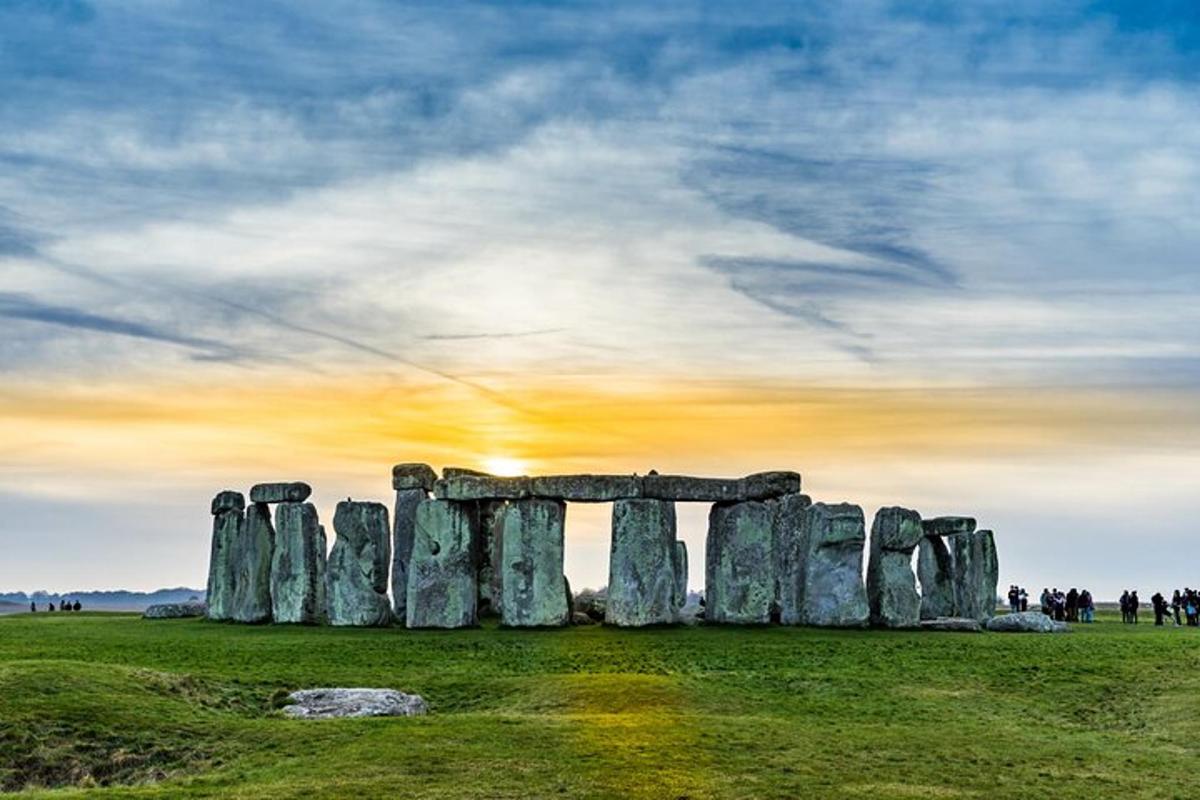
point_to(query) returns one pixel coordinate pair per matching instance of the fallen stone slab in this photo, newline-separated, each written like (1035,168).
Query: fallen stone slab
(228,500)
(587,488)
(294,492)
(338,703)
(413,476)
(533,590)
(769,485)
(641,573)
(1026,622)
(580,618)
(952,625)
(834,593)
(175,610)
(228,527)
(688,489)
(443,581)
(481,487)
(358,565)
(790,537)
(739,585)
(298,566)
(251,557)
(948,526)
(935,572)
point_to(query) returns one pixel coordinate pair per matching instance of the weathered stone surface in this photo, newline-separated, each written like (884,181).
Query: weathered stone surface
(413,476)
(228,500)
(533,591)
(175,610)
(251,557)
(587,488)
(358,565)
(335,703)
(481,487)
(681,573)
(490,527)
(295,492)
(442,582)
(948,526)
(834,594)
(952,625)
(641,575)
(591,602)
(458,472)
(298,565)
(769,485)
(976,572)
(685,488)
(404,520)
(935,571)
(897,529)
(891,583)
(580,618)
(1026,622)
(228,528)
(739,585)
(790,537)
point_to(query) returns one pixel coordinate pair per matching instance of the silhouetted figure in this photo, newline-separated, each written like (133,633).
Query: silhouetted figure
(1087,606)
(1014,599)
(1176,607)
(1159,603)
(1133,607)
(1024,599)
(77,606)
(1073,605)
(1046,600)
(1125,606)
(33,608)
(52,606)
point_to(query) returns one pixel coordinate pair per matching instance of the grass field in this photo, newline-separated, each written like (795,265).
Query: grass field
(186,708)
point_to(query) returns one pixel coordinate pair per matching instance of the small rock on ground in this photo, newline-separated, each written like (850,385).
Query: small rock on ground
(175,610)
(1026,622)
(336,703)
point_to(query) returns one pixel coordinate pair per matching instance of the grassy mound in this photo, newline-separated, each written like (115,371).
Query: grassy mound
(183,708)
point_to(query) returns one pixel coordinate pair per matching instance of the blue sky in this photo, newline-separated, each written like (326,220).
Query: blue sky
(997,199)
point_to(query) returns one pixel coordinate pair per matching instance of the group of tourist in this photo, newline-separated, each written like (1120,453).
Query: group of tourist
(1183,607)
(66,605)
(1073,606)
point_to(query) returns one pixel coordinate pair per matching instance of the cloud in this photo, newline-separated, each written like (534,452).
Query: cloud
(19,307)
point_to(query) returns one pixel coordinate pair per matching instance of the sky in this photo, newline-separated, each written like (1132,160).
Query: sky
(938,255)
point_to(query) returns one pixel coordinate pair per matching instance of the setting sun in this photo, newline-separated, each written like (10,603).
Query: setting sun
(504,466)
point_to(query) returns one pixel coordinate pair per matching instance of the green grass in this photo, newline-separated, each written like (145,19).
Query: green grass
(113,705)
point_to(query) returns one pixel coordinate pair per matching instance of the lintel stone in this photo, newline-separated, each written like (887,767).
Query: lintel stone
(413,476)
(948,526)
(685,488)
(481,487)
(587,488)
(294,492)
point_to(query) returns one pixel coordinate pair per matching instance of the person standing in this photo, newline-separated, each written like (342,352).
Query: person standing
(1014,600)
(1073,605)
(1087,608)
(1133,607)
(1125,606)
(1159,603)
(1046,600)
(1176,606)
(32,608)
(1024,599)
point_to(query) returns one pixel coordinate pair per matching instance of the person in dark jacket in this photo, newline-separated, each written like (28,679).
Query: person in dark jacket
(1159,604)
(1133,607)
(1073,605)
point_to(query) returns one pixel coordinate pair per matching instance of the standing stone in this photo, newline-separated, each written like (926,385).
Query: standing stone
(989,572)
(298,565)
(358,565)
(404,521)
(739,585)
(534,593)
(442,581)
(891,584)
(976,571)
(413,476)
(681,573)
(935,570)
(834,595)
(229,519)
(791,547)
(641,574)
(490,514)
(252,557)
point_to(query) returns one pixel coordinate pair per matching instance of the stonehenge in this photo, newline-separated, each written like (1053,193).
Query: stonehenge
(467,545)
